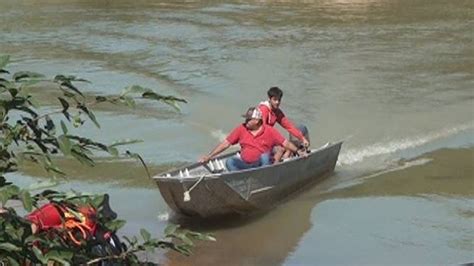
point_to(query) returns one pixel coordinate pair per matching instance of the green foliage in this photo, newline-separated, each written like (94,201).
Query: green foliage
(35,137)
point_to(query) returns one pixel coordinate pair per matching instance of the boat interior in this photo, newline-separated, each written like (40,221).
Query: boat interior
(214,167)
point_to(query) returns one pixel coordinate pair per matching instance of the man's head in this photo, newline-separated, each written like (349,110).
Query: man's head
(253,118)
(274,97)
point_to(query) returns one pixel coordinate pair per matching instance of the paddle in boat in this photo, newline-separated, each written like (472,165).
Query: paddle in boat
(208,190)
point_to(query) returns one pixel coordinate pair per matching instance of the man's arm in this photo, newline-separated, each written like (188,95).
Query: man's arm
(290,127)
(218,149)
(290,146)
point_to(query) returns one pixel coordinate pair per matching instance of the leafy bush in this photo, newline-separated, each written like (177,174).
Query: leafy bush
(27,134)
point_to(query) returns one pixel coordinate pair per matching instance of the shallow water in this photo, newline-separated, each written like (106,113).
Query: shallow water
(394,79)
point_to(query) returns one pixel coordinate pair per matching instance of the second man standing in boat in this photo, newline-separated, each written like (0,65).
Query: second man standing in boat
(256,142)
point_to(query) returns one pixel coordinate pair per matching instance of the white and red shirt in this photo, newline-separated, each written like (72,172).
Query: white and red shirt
(252,146)
(270,117)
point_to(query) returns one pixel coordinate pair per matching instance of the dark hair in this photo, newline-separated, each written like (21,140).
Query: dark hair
(275,92)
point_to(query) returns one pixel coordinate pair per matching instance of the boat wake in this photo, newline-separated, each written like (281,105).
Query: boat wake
(355,181)
(218,134)
(357,155)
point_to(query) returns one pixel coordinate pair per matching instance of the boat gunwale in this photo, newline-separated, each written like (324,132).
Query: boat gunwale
(162,176)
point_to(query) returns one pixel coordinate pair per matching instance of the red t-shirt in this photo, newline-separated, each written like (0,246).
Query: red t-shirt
(251,147)
(270,117)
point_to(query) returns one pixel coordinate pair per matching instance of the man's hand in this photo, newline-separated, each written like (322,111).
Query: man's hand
(204,159)
(305,143)
(220,148)
(302,153)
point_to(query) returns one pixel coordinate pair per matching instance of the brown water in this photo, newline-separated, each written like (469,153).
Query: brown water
(419,213)
(394,79)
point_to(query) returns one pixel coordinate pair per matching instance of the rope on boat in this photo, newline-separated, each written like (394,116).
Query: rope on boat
(187,196)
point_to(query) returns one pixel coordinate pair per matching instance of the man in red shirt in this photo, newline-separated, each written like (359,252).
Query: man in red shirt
(256,143)
(271,114)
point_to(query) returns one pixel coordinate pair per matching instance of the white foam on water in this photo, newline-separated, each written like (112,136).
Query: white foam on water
(218,134)
(164,216)
(352,182)
(352,156)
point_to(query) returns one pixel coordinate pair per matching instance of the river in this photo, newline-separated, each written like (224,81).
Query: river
(393,78)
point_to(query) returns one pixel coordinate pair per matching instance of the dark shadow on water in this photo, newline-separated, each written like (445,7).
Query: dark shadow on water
(216,223)
(263,238)
(234,220)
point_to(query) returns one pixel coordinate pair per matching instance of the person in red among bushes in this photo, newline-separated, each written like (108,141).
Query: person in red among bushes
(75,223)
(272,114)
(256,141)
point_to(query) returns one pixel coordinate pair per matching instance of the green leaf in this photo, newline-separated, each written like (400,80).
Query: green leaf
(77,121)
(13,92)
(18,76)
(39,255)
(171,229)
(130,102)
(140,159)
(81,156)
(64,144)
(70,86)
(57,258)
(30,82)
(4,60)
(100,99)
(26,200)
(63,127)
(64,103)
(5,84)
(67,93)
(115,225)
(210,238)
(183,249)
(49,166)
(128,240)
(56,170)
(186,240)
(32,101)
(97,201)
(59,78)
(170,100)
(43,184)
(134,89)
(173,104)
(9,247)
(145,234)
(155,96)
(125,142)
(12,261)
(200,236)
(7,192)
(3,181)
(50,127)
(89,113)
(92,117)
(112,151)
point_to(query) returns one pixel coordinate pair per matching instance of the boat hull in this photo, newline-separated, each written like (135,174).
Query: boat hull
(248,191)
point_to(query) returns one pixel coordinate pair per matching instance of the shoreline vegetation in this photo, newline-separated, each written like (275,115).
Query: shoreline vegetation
(66,227)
